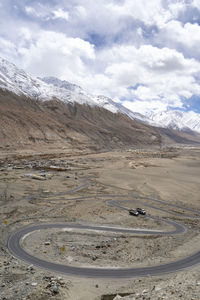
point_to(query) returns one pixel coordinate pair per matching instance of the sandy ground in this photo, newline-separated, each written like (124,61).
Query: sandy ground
(171,175)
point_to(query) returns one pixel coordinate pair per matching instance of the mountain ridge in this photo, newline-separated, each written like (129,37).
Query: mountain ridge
(174,119)
(48,88)
(26,123)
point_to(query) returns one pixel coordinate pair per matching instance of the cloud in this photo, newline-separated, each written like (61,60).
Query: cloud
(37,10)
(148,66)
(7,48)
(30,11)
(196,4)
(42,12)
(60,13)
(184,37)
(149,12)
(142,52)
(51,53)
(145,107)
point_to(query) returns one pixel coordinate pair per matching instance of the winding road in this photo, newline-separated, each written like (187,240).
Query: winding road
(17,250)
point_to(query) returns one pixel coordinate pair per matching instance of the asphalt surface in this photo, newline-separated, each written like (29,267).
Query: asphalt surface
(17,250)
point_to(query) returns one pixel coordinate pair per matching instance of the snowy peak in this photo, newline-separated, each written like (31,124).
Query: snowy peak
(175,119)
(61,83)
(19,82)
(47,88)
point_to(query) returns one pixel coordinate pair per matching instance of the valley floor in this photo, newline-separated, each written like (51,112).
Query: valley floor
(38,188)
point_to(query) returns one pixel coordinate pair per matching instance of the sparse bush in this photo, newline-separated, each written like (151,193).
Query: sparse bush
(5,196)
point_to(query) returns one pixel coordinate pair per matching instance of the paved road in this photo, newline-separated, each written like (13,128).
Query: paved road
(16,249)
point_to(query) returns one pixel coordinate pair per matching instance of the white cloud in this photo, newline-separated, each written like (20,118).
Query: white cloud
(156,76)
(149,12)
(7,48)
(145,74)
(176,7)
(6,43)
(39,10)
(185,35)
(60,13)
(142,51)
(144,107)
(30,10)
(196,3)
(81,11)
(52,53)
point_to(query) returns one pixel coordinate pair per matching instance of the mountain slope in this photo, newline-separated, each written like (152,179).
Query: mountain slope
(49,110)
(48,88)
(184,121)
(28,123)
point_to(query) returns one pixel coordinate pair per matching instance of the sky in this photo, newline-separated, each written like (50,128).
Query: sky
(143,53)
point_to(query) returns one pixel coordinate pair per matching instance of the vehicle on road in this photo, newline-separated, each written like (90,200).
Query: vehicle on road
(141,211)
(133,212)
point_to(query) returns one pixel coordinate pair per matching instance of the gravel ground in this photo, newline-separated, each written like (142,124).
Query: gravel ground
(171,176)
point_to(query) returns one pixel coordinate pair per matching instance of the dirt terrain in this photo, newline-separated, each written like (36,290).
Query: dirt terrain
(38,187)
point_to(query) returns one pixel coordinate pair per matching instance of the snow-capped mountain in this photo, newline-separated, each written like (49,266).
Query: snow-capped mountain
(47,88)
(174,119)
(62,84)
(19,82)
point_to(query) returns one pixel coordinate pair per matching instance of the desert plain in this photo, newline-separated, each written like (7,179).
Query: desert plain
(75,187)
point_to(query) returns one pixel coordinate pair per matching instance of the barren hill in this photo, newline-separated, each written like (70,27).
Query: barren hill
(25,122)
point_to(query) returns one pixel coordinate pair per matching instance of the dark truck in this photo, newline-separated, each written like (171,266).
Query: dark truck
(133,212)
(141,211)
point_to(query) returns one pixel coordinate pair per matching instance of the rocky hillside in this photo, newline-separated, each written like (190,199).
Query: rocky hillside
(26,122)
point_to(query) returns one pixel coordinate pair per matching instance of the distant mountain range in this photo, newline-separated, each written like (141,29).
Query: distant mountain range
(20,83)
(178,120)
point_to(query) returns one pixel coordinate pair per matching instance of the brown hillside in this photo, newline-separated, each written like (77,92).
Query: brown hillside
(25,123)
